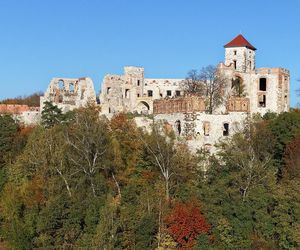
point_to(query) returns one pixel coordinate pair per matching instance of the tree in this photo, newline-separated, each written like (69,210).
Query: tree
(238,87)
(161,152)
(89,144)
(209,83)
(8,131)
(249,155)
(31,100)
(292,159)
(185,223)
(285,127)
(51,115)
(214,83)
(193,84)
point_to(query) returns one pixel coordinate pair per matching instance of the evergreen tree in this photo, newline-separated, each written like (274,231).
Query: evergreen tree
(51,115)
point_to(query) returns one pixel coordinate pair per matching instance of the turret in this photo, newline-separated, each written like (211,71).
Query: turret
(240,54)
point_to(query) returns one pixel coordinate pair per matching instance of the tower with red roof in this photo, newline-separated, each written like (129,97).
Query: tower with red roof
(240,54)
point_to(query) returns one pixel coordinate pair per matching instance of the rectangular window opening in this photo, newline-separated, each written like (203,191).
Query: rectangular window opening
(262,101)
(225,129)
(262,84)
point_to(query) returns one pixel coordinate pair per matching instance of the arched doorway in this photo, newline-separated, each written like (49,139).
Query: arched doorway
(143,108)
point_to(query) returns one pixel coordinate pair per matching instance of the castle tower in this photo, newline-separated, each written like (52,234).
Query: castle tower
(241,54)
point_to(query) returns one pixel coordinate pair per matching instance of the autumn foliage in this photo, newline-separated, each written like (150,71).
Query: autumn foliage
(292,159)
(185,222)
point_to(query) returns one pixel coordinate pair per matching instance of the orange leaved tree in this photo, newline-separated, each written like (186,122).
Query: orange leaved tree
(185,222)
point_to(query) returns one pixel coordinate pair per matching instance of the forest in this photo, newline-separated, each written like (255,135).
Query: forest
(80,181)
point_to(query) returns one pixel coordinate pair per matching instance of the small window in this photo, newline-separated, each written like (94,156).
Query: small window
(126,93)
(177,93)
(169,93)
(138,82)
(108,90)
(234,52)
(150,93)
(262,84)
(178,127)
(262,101)
(138,95)
(109,110)
(234,63)
(71,87)
(225,129)
(160,94)
(206,128)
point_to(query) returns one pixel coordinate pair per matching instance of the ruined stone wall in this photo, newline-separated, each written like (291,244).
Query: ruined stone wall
(70,93)
(203,130)
(179,105)
(131,92)
(275,95)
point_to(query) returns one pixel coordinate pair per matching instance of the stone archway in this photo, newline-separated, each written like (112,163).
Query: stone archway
(143,108)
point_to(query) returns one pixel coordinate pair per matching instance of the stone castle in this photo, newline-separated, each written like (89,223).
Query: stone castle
(264,90)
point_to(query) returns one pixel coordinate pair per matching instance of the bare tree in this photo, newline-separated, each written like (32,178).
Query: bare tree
(214,83)
(209,83)
(192,83)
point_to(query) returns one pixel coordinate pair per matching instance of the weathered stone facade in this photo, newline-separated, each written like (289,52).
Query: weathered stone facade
(70,93)
(264,89)
(132,92)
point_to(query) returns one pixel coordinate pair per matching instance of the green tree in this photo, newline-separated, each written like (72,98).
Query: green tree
(8,130)
(51,115)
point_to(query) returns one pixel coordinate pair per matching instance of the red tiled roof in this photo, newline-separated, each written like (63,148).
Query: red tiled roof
(239,41)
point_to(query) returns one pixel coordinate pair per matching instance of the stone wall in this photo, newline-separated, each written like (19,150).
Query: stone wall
(204,130)
(238,104)
(70,93)
(179,105)
(131,92)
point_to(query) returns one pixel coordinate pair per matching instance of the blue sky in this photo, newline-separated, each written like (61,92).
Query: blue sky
(41,39)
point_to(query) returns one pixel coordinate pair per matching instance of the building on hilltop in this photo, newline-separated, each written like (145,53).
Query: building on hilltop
(263,90)
(267,88)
